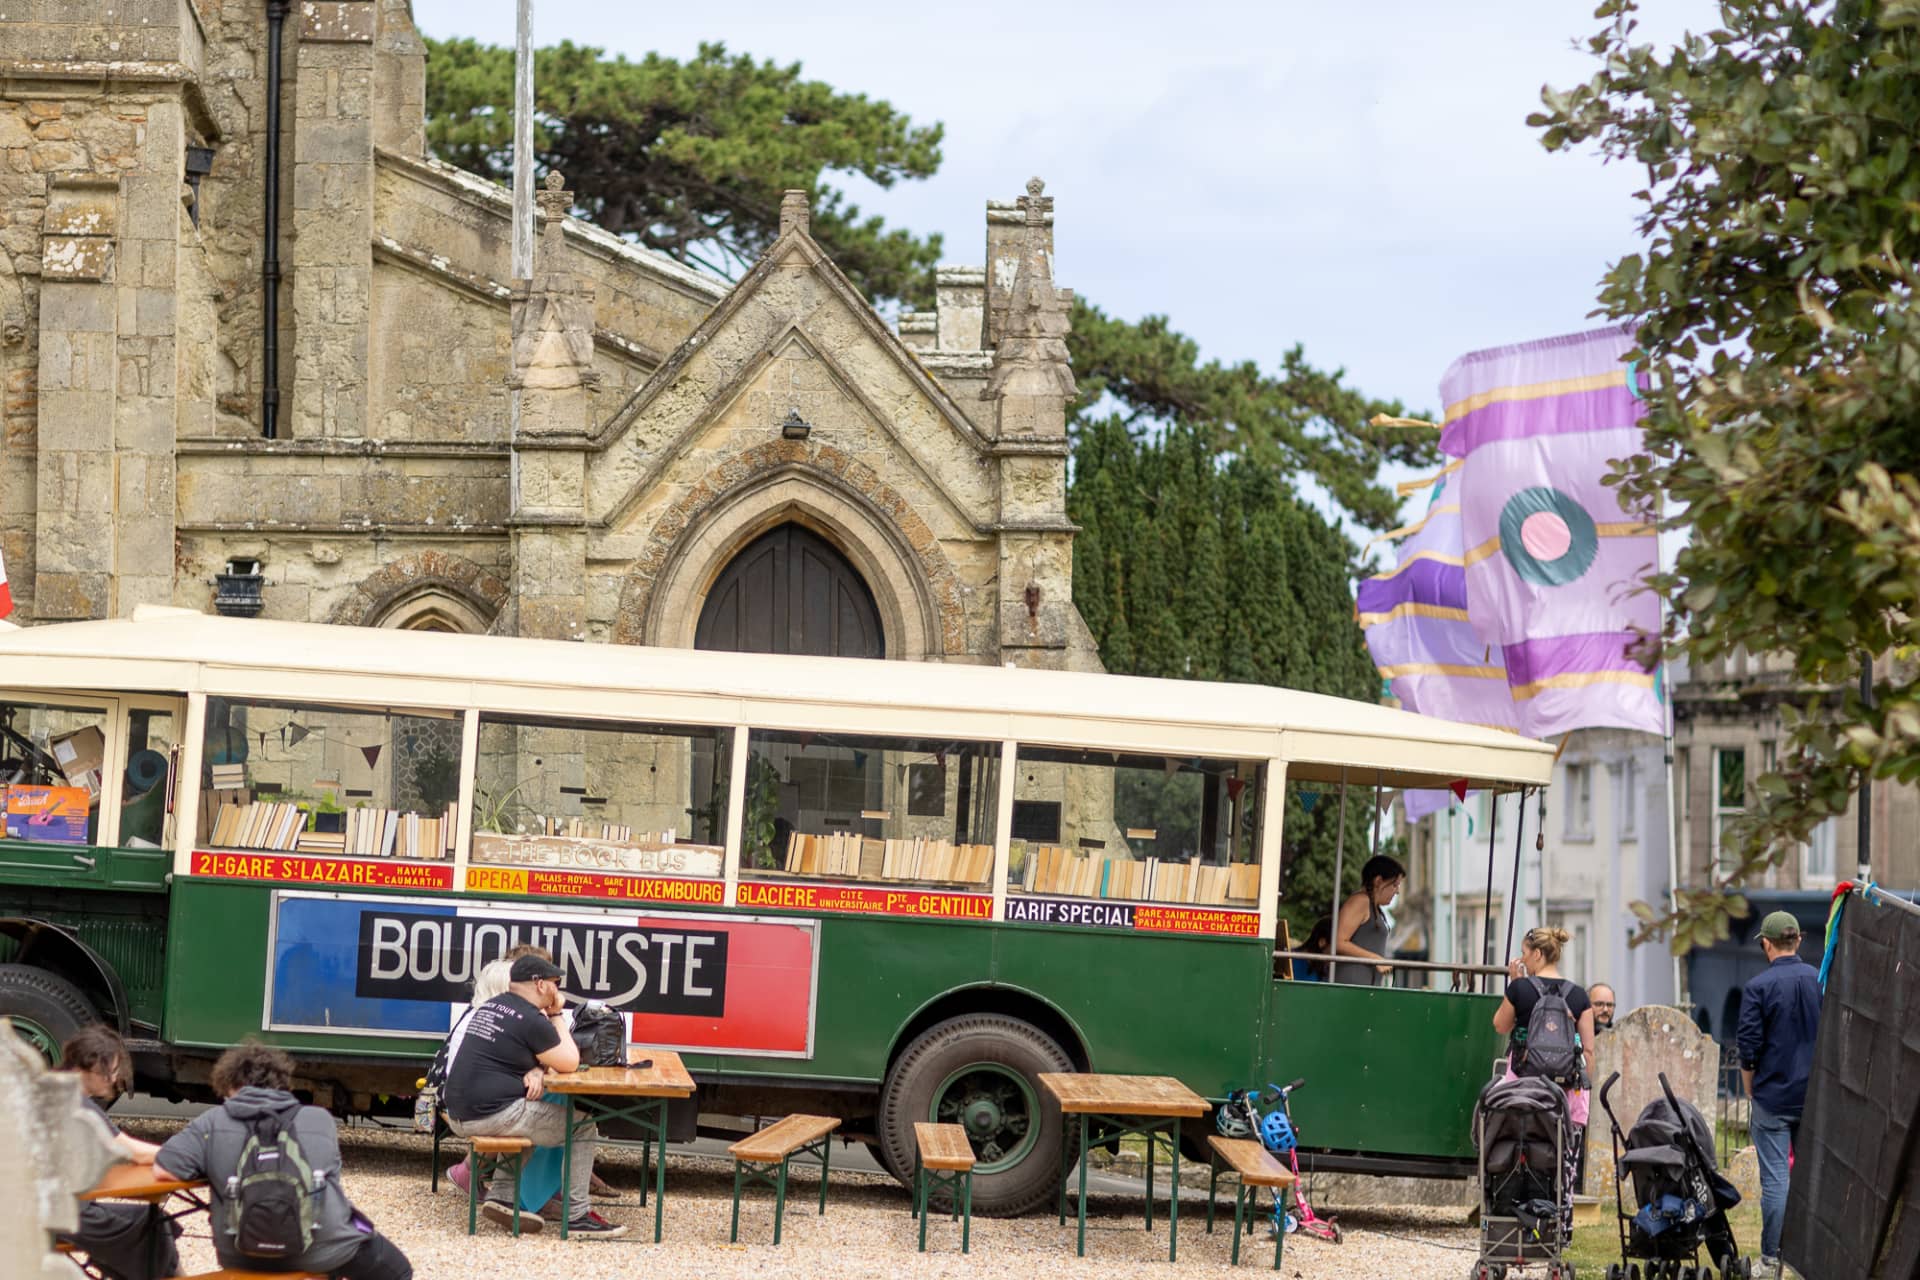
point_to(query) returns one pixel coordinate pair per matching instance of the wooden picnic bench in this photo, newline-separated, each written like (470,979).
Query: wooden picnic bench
(1253,1166)
(943,1160)
(637,1094)
(798,1135)
(1105,1108)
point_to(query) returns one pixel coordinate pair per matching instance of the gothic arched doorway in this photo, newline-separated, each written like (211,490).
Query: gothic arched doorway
(791,591)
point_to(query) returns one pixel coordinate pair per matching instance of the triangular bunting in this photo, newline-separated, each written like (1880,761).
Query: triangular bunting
(1459,788)
(372,754)
(1234,787)
(1171,765)
(1308,799)
(297,734)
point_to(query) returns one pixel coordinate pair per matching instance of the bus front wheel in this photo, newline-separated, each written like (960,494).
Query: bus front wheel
(46,1009)
(982,1072)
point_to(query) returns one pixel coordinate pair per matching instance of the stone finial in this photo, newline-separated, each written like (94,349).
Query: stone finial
(795,213)
(1031,357)
(553,198)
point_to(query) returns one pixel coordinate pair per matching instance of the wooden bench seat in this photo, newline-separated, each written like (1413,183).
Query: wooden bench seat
(943,1160)
(501,1146)
(943,1146)
(780,1140)
(1254,1167)
(1252,1161)
(779,1143)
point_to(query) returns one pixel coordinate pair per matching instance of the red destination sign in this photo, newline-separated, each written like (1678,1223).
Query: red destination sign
(862,900)
(301,869)
(539,883)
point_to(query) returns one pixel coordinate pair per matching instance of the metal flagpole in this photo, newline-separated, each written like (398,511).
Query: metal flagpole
(1863,856)
(1540,847)
(1513,894)
(523,142)
(1339,869)
(1486,913)
(1673,812)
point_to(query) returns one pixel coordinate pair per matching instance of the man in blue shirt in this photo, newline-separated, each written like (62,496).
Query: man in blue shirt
(1779,1018)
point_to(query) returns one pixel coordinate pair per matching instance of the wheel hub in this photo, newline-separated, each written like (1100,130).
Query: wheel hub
(982,1116)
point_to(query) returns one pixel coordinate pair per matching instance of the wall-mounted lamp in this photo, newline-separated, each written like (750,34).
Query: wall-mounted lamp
(795,427)
(236,593)
(199,165)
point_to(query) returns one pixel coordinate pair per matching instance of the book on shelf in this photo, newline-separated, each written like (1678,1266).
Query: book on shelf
(1053,869)
(846,855)
(228,777)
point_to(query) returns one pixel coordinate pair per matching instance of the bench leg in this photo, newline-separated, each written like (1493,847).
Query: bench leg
(1150,1153)
(433,1188)
(966,1221)
(1239,1218)
(1173,1200)
(780,1199)
(1213,1185)
(826,1159)
(646,1162)
(473,1195)
(920,1199)
(734,1238)
(1279,1226)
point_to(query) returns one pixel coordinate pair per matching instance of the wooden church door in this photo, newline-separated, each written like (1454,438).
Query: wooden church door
(791,591)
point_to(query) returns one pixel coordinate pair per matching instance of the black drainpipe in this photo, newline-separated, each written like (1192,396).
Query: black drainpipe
(270,263)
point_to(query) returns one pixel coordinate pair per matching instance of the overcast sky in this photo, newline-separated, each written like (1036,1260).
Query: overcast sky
(1355,177)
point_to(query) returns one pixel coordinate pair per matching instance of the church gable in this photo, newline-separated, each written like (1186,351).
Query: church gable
(794,338)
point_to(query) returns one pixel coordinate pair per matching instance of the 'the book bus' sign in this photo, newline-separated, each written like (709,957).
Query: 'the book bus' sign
(403,966)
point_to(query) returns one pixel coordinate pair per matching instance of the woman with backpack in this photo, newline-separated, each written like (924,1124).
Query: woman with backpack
(1548,1022)
(272,1167)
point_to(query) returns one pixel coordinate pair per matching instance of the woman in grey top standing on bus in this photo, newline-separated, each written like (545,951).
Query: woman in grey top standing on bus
(1362,928)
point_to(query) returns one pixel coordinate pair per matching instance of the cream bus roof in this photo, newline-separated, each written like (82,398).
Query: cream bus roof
(171,650)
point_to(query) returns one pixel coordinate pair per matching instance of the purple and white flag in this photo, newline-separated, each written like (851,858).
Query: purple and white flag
(1415,619)
(1552,563)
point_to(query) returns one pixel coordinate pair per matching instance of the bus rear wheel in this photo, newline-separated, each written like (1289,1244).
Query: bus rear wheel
(46,1009)
(981,1071)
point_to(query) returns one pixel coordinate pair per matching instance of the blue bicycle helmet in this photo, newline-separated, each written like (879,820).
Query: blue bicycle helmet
(1231,1117)
(1276,1133)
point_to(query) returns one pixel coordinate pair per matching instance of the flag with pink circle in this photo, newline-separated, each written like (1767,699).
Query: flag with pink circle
(1553,563)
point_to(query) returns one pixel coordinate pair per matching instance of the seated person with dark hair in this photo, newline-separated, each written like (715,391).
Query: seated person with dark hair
(495,1082)
(256,1083)
(122,1241)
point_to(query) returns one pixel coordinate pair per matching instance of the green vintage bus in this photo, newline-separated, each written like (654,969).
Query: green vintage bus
(889,891)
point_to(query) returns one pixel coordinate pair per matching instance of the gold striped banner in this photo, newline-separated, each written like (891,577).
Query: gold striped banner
(1442,669)
(1536,391)
(1414,559)
(1414,609)
(1415,527)
(1406,487)
(1582,679)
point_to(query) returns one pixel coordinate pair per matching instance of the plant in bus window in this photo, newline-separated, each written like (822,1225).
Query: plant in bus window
(497,813)
(763,813)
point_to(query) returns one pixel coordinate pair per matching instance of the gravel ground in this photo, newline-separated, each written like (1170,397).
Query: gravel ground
(867,1230)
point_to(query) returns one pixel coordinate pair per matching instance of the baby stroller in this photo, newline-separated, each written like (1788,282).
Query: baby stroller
(1682,1199)
(1521,1129)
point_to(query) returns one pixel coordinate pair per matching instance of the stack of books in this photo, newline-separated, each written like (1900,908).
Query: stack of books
(588,829)
(280,826)
(910,858)
(1052,869)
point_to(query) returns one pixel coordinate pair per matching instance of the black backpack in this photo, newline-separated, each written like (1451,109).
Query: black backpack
(271,1193)
(1551,1049)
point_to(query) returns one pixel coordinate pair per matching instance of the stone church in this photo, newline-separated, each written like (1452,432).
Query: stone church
(260,352)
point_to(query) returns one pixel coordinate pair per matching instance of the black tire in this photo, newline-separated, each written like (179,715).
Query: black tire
(46,1008)
(995,1044)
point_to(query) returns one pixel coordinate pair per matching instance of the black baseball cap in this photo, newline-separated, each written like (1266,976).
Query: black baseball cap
(533,969)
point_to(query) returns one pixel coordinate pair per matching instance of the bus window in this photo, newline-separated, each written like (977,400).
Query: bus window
(587,795)
(329,780)
(913,810)
(50,762)
(153,745)
(1101,824)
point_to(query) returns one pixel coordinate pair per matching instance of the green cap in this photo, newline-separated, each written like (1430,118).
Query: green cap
(1779,926)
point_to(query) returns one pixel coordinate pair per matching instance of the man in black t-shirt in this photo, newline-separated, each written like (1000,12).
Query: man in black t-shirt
(495,1082)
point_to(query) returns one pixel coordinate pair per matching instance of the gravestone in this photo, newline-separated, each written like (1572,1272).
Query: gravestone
(1652,1039)
(57,1148)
